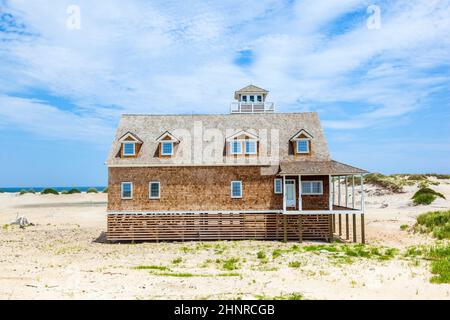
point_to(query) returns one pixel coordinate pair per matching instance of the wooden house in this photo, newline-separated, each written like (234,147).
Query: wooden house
(251,174)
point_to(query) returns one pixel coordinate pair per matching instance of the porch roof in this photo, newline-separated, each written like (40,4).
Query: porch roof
(318,167)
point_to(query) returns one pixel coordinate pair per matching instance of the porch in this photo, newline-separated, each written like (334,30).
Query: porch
(338,194)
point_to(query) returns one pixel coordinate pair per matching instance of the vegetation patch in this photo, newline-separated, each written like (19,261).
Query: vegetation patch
(188,274)
(291,296)
(72,191)
(436,222)
(440,264)
(295,264)
(91,190)
(426,196)
(404,227)
(162,268)
(261,255)
(390,183)
(343,251)
(230,263)
(276,253)
(105,190)
(177,260)
(49,191)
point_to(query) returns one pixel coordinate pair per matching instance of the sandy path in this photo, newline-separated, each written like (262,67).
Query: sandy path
(59,258)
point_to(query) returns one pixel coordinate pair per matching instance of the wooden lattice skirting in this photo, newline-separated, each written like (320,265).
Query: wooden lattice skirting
(227,226)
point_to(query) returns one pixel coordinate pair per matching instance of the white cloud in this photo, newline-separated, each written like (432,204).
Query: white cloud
(177,56)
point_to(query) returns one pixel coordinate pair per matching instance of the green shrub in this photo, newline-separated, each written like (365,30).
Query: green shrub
(72,191)
(64,192)
(49,191)
(428,191)
(23,191)
(404,227)
(31,191)
(91,190)
(425,199)
(105,190)
(426,196)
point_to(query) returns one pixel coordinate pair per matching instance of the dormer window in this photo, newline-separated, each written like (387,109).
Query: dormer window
(130,145)
(242,142)
(236,147)
(167,143)
(301,142)
(250,146)
(129,149)
(303,146)
(167,148)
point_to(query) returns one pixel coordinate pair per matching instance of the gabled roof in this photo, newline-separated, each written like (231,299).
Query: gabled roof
(301,132)
(318,167)
(242,132)
(198,134)
(250,89)
(167,134)
(127,136)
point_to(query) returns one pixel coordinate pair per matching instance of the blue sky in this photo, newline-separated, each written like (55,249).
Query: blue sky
(382,93)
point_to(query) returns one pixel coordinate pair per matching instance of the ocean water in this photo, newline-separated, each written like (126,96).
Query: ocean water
(59,189)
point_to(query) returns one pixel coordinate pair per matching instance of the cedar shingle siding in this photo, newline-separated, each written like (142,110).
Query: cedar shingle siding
(193,189)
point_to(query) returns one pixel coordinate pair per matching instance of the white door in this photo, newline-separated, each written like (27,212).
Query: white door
(290,193)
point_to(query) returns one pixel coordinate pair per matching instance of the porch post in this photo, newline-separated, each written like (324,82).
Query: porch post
(363,233)
(362,193)
(333,198)
(339,199)
(353,191)
(339,190)
(284,194)
(330,199)
(300,192)
(346,206)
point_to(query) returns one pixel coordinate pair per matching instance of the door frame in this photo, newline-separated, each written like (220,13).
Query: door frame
(295,192)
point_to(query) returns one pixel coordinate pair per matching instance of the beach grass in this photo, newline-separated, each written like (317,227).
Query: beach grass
(435,222)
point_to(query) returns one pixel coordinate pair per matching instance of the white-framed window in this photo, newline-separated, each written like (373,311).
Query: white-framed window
(244,98)
(259,98)
(154,190)
(278,185)
(302,146)
(250,147)
(127,190)
(166,148)
(252,98)
(236,147)
(129,148)
(236,189)
(312,187)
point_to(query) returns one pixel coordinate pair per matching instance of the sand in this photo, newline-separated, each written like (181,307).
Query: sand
(64,257)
